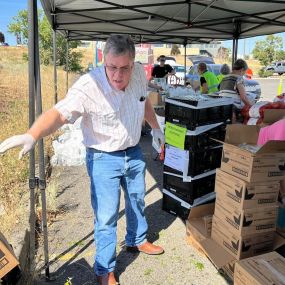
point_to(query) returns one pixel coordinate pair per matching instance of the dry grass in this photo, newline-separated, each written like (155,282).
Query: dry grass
(14,120)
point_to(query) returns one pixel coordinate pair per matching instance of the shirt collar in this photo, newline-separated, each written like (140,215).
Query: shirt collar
(99,75)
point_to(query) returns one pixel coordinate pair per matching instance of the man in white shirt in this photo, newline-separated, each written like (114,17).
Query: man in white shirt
(111,100)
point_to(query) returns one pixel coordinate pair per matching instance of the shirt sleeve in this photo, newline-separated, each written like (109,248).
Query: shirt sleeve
(72,106)
(153,72)
(202,80)
(169,68)
(240,80)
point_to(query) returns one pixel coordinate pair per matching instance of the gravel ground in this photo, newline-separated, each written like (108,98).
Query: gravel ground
(71,247)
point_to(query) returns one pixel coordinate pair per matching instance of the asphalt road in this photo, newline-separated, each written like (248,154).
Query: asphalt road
(269,87)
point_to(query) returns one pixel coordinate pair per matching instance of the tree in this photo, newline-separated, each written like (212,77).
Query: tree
(2,38)
(19,27)
(223,53)
(269,50)
(175,50)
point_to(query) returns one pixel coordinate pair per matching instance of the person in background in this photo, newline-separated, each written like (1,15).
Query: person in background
(224,70)
(162,70)
(274,132)
(208,80)
(112,102)
(232,86)
(153,85)
(249,73)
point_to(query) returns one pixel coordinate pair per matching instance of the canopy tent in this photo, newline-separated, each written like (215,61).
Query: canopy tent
(180,22)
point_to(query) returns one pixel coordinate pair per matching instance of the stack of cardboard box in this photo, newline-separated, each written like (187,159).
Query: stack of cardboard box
(189,168)
(247,187)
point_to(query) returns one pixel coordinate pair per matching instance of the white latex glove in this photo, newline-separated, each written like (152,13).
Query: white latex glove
(25,140)
(158,137)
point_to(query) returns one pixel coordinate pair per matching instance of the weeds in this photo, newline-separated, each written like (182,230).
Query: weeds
(14,118)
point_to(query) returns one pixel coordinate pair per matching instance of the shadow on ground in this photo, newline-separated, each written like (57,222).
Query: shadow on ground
(79,268)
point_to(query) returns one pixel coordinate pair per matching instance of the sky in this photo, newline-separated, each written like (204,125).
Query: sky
(10,8)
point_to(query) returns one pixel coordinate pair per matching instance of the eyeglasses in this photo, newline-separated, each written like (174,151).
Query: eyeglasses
(162,60)
(114,69)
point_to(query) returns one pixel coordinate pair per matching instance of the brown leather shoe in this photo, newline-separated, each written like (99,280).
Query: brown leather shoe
(107,279)
(147,248)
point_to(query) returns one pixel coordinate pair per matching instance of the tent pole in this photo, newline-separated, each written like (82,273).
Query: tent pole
(66,64)
(236,50)
(54,67)
(41,180)
(32,7)
(233,52)
(185,45)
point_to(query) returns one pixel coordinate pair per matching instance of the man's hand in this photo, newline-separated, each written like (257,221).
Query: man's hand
(158,137)
(25,140)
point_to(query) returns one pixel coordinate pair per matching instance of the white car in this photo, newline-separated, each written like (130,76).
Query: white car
(179,77)
(276,67)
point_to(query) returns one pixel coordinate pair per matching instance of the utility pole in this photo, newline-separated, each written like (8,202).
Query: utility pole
(244,44)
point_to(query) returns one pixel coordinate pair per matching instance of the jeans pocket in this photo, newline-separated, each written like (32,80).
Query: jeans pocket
(92,156)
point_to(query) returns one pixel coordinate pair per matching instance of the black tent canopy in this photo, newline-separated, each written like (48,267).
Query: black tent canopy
(174,21)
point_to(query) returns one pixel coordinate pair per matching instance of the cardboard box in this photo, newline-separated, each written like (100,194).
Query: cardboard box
(282,189)
(198,237)
(246,195)
(208,223)
(155,99)
(241,246)
(265,269)
(266,164)
(245,221)
(229,269)
(273,115)
(7,258)
(196,225)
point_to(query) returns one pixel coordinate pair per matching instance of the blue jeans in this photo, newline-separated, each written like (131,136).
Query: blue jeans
(108,171)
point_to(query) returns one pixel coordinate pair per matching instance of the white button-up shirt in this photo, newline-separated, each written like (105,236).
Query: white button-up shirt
(111,119)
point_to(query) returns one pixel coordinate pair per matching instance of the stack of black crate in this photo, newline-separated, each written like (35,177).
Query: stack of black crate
(205,119)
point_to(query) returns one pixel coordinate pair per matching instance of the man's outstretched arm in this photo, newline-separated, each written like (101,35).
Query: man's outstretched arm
(46,124)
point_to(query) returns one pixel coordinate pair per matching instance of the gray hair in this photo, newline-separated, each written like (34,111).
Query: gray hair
(240,64)
(120,45)
(225,69)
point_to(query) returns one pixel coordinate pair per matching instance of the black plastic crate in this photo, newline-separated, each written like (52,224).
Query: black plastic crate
(193,118)
(200,161)
(205,139)
(174,206)
(189,191)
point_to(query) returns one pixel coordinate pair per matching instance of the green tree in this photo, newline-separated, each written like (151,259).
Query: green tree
(269,50)
(2,38)
(175,50)
(19,27)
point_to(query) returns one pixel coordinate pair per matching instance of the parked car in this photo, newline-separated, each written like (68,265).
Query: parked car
(193,78)
(276,67)
(179,74)
(195,59)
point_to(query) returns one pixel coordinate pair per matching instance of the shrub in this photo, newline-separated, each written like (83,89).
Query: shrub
(265,73)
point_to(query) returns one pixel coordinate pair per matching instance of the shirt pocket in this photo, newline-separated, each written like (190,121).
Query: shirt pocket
(141,109)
